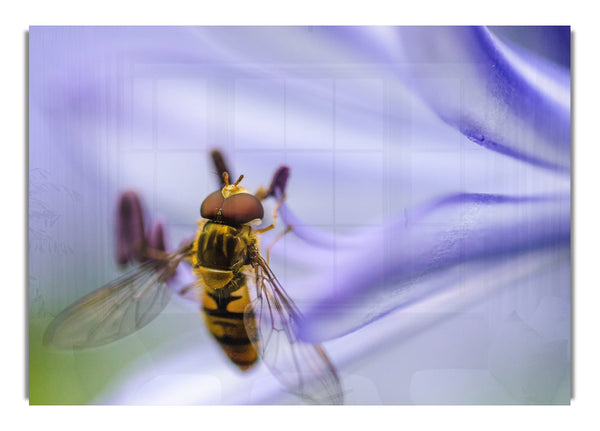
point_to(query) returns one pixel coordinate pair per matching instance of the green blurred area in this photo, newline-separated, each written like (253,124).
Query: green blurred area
(67,377)
(70,377)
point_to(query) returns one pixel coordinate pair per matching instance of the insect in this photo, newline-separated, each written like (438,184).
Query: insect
(225,260)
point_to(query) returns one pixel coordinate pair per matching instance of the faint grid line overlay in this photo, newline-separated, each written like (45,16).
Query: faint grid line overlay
(222,121)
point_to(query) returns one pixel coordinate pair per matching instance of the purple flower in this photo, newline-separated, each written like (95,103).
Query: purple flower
(426,179)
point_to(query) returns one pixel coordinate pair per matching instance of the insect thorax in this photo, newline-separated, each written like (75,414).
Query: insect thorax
(222,247)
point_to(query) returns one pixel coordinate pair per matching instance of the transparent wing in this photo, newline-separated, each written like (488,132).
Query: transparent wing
(116,309)
(271,322)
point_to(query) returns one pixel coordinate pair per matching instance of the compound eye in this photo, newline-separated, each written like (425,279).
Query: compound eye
(242,208)
(211,205)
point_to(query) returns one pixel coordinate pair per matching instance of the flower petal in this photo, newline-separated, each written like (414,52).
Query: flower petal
(497,97)
(365,284)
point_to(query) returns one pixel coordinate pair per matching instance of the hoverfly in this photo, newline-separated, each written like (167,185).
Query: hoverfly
(225,258)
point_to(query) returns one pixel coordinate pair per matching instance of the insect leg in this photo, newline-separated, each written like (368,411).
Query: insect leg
(156,251)
(191,291)
(156,254)
(277,238)
(272,226)
(261,194)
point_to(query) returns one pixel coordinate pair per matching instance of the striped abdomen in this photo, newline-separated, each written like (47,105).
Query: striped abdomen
(219,253)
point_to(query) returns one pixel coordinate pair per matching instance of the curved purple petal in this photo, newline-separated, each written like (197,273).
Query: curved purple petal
(497,97)
(459,229)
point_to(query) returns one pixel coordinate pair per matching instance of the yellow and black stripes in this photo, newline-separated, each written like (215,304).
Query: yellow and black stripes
(224,315)
(218,255)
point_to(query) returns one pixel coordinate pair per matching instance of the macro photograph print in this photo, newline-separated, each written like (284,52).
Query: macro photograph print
(361,215)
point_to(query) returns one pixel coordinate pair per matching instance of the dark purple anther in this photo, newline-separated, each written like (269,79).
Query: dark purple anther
(131,240)
(156,237)
(277,187)
(220,165)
